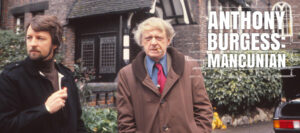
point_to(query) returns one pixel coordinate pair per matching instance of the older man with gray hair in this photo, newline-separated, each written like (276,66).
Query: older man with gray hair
(156,92)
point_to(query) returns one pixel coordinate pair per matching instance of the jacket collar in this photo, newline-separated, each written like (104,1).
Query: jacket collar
(33,70)
(177,63)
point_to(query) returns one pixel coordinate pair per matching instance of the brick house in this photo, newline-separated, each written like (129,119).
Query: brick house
(99,32)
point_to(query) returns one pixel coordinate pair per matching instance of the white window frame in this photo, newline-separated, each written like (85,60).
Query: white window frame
(240,10)
(281,6)
(19,24)
(209,8)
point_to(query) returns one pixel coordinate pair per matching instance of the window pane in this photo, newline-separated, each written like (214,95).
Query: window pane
(126,54)
(159,12)
(19,24)
(107,61)
(177,7)
(87,52)
(157,2)
(277,30)
(171,21)
(287,20)
(167,8)
(180,20)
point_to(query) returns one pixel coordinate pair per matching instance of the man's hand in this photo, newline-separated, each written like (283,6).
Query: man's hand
(56,101)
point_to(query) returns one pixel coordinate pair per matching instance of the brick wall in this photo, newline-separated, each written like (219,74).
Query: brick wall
(60,9)
(6,18)
(187,36)
(68,48)
(27,17)
(294,41)
(258,5)
(295,5)
(203,20)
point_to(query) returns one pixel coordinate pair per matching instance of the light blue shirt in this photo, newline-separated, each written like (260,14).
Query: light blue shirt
(152,70)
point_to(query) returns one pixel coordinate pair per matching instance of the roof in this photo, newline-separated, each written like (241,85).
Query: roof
(83,8)
(32,7)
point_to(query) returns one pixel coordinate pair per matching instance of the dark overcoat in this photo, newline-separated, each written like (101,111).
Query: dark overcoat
(23,92)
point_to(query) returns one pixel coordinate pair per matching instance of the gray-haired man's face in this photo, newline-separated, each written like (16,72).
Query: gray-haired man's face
(155,43)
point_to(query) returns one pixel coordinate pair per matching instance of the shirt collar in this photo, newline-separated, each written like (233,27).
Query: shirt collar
(150,63)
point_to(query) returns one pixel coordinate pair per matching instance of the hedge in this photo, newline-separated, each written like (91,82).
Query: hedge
(12,47)
(239,91)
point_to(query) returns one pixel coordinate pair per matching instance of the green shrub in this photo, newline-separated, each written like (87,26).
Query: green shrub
(82,77)
(12,47)
(99,120)
(238,91)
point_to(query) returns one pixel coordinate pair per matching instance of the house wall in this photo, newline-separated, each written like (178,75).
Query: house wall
(187,38)
(292,43)
(58,8)
(295,5)
(190,39)
(94,28)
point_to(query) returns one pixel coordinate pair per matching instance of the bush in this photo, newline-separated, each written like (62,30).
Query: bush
(99,120)
(82,77)
(12,47)
(237,92)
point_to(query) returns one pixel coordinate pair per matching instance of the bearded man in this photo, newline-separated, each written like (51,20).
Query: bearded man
(38,95)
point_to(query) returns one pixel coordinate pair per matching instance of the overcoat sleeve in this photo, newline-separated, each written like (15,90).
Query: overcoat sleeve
(126,121)
(11,119)
(203,113)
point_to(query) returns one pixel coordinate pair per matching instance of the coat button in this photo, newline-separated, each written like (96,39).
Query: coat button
(162,101)
(158,86)
(165,128)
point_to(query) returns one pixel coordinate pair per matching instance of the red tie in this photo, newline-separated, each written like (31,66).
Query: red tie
(161,78)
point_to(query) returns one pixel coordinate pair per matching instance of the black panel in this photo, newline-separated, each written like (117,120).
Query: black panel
(105,28)
(33,7)
(83,8)
(290,82)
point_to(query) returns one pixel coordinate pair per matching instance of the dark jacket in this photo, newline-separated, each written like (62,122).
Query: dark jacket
(183,107)
(23,92)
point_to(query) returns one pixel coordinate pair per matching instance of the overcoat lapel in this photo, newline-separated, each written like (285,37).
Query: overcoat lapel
(171,80)
(175,72)
(149,84)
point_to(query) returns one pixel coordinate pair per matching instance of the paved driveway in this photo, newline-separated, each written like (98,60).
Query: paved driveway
(263,127)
